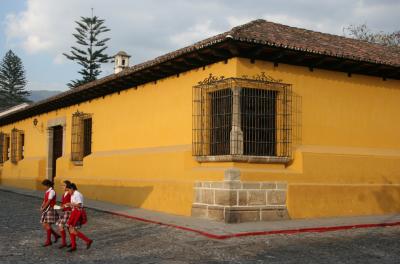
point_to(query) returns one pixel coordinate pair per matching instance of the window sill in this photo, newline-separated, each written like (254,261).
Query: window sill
(77,163)
(244,158)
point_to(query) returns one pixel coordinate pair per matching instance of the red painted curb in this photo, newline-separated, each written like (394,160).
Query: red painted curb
(259,233)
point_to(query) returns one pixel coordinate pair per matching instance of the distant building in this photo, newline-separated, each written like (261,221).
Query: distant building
(121,61)
(262,122)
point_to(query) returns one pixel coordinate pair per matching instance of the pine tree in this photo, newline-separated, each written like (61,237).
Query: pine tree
(91,50)
(12,81)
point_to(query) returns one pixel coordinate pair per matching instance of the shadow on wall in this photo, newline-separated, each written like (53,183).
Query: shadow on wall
(297,119)
(131,196)
(388,197)
(296,123)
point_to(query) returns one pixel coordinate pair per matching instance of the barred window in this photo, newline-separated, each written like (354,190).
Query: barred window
(258,121)
(17,145)
(221,121)
(242,119)
(81,140)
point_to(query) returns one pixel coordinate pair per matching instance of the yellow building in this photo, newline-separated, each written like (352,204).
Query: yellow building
(262,122)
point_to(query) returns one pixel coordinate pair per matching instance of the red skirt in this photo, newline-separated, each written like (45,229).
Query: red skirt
(78,217)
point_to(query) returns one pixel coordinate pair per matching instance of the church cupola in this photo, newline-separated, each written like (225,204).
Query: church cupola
(121,61)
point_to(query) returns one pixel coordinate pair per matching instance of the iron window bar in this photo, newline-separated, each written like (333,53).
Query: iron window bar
(242,119)
(17,145)
(81,138)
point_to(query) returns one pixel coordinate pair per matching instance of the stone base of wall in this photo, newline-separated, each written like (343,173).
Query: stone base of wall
(234,201)
(238,214)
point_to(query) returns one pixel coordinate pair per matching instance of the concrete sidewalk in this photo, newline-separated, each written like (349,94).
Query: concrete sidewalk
(218,230)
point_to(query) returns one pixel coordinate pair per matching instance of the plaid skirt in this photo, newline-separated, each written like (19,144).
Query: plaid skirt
(50,216)
(63,218)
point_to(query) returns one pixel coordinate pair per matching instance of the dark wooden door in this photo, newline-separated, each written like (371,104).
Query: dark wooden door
(57,146)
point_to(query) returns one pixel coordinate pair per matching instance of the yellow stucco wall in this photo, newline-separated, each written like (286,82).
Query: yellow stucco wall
(141,151)
(347,151)
(347,154)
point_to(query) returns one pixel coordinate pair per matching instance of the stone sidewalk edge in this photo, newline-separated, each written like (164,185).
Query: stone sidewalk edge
(231,235)
(258,233)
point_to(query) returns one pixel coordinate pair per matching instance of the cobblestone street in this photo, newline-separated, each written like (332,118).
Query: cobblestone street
(122,240)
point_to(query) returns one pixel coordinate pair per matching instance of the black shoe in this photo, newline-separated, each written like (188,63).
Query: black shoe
(69,245)
(56,238)
(62,246)
(71,249)
(46,244)
(89,244)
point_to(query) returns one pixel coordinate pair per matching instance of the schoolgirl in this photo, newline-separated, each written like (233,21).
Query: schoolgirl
(49,215)
(77,218)
(65,214)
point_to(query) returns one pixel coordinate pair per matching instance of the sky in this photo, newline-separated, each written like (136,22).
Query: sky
(39,31)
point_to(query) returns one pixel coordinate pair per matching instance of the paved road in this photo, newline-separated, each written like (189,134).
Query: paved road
(122,240)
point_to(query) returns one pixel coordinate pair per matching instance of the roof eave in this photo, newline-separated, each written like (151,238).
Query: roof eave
(218,49)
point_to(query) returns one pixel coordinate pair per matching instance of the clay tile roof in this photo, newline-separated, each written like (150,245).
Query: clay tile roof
(269,33)
(278,35)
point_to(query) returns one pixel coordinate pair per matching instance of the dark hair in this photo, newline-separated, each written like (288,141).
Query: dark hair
(67,182)
(72,186)
(47,183)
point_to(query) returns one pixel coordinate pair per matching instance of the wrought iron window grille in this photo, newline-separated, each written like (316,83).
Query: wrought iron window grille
(247,119)
(17,145)
(81,138)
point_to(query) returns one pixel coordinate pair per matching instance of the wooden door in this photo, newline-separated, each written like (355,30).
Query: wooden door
(57,147)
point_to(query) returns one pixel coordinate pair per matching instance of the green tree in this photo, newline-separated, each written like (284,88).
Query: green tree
(90,52)
(362,32)
(12,81)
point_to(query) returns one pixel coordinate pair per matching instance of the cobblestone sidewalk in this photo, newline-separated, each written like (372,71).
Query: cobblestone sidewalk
(122,240)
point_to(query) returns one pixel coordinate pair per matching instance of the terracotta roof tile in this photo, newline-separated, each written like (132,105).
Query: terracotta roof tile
(274,34)
(269,33)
